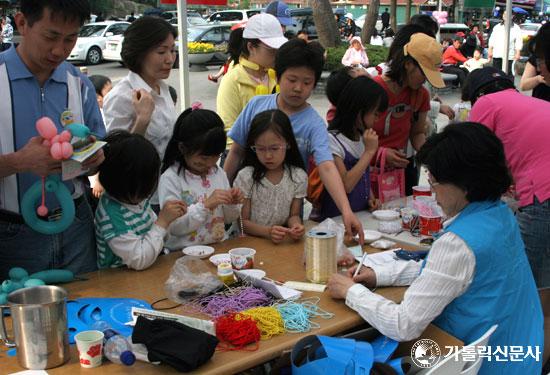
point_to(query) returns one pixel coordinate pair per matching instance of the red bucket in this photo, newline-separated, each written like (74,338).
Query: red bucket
(430,225)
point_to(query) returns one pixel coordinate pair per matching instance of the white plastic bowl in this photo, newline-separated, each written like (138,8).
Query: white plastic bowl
(255,273)
(371,235)
(219,259)
(386,215)
(199,251)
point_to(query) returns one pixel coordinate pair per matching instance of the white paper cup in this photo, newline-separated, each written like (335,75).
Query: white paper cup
(242,258)
(90,348)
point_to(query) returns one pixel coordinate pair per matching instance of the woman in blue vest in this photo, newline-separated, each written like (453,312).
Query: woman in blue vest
(476,274)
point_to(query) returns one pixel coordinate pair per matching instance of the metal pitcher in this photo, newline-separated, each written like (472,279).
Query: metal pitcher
(39,320)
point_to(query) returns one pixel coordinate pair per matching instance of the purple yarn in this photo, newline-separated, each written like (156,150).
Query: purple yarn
(234,300)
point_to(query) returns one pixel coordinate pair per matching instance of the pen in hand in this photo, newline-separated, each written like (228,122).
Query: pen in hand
(360,265)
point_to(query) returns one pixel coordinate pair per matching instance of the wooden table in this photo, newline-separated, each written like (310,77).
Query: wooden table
(281,262)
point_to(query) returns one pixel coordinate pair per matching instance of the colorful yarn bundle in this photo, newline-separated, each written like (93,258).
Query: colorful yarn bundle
(296,316)
(232,300)
(268,320)
(237,330)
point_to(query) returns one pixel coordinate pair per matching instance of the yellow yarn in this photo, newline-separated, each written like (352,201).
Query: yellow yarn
(268,319)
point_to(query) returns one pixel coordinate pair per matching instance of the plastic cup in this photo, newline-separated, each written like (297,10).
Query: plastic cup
(430,225)
(90,348)
(419,191)
(242,258)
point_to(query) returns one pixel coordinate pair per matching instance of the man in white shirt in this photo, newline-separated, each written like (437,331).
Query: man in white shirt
(496,45)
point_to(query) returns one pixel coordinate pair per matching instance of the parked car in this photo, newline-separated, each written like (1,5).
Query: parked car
(447,30)
(191,22)
(171,15)
(218,35)
(529,30)
(303,20)
(92,38)
(112,49)
(360,21)
(211,33)
(231,17)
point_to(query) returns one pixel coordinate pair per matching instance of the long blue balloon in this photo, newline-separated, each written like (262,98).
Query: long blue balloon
(34,194)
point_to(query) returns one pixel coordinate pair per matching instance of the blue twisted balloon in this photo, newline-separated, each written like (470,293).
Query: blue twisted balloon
(53,185)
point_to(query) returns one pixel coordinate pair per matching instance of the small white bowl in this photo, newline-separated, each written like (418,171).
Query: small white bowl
(255,273)
(220,258)
(199,251)
(386,215)
(371,235)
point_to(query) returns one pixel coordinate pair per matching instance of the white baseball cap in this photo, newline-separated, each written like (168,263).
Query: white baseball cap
(266,28)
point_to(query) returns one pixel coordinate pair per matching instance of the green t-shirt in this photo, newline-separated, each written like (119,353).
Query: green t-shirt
(113,219)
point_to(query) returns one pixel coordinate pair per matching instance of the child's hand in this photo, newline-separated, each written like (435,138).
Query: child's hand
(297,231)
(218,197)
(447,111)
(373,203)
(97,189)
(237,196)
(370,139)
(278,233)
(170,212)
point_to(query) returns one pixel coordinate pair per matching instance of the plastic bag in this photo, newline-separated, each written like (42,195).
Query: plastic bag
(189,278)
(331,225)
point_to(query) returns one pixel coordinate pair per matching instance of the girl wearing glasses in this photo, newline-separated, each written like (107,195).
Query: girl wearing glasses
(190,173)
(274,180)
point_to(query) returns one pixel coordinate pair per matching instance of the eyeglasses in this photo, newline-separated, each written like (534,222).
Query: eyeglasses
(271,149)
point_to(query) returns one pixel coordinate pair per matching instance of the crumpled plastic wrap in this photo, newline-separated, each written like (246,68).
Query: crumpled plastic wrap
(189,278)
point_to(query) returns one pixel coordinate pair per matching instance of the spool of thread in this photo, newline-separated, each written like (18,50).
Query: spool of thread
(320,255)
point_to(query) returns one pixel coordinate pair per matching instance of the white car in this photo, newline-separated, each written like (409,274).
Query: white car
(92,38)
(360,21)
(112,49)
(231,17)
(529,30)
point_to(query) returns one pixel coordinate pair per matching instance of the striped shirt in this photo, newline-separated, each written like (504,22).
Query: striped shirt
(448,273)
(114,220)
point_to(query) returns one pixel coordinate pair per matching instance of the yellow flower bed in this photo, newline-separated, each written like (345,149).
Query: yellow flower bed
(198,47)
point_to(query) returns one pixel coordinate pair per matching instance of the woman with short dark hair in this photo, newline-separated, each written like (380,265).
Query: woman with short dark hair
(141,102)
(476,274)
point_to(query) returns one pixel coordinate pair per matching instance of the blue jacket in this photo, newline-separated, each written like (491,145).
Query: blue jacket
(502,291)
